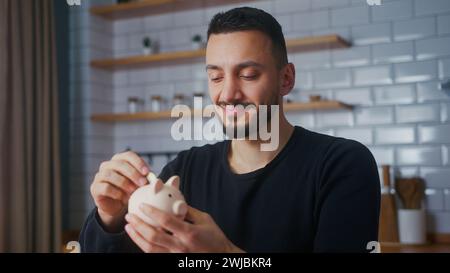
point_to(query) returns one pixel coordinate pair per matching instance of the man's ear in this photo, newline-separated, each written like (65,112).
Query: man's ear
(287,79)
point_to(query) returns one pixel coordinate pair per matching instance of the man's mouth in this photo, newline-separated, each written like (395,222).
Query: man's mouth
(234,110)
(231,110)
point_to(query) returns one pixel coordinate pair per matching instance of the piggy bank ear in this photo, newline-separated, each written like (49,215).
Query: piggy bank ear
(157,186)
(174,181)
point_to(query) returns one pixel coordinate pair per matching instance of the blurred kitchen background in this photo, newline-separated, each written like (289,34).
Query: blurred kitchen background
(374,71)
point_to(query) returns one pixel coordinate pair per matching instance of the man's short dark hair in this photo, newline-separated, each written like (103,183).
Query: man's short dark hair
(247,18)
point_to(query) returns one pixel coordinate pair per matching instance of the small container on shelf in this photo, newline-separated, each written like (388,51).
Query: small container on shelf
(156,103)
(198,96)
(134,105)
(315,98)
(179,99)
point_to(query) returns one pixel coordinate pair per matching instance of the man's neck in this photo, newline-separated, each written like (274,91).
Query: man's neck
(246,156)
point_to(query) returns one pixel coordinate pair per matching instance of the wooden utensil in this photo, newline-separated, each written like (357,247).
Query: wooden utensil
(405,190)
(411,192)
(388,227)
(416,201)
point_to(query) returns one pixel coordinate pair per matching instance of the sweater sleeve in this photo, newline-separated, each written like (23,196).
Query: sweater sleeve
(94,238)
(348,199)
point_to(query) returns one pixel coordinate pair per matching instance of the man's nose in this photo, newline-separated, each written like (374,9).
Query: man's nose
(231,90)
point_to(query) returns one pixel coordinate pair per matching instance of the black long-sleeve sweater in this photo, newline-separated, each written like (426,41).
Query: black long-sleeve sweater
(319,194)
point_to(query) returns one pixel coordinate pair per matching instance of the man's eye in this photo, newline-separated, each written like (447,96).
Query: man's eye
(216,79)
(250,77)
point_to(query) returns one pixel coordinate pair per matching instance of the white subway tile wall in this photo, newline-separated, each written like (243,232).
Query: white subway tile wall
(443,23)
(332,78)
(356,96)
(434,199)
(418,113)
(372,75)
(349,16)
(414,29)
(400,55)
(444,68)
(415,72)
(447,199)
(419,155)
(313,60)
(395,135)
(374,115)
(432,48)
(395,94)
(351,57)
(430,91)
(393,10)
(311,21)
(392,53)
(373,33)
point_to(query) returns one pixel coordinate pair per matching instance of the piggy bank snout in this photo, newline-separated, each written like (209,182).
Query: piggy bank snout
(180,208)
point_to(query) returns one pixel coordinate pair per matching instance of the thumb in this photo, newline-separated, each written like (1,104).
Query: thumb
(193,215)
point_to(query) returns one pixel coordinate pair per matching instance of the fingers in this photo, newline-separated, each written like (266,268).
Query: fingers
(136,161)
(154,236)
(114,183)
(117,180)
(194,215)
(166,220)
(125,169)
(142,243)
(108,190)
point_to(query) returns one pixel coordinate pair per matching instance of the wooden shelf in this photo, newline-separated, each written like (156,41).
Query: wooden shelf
(124,10)
(294,45)
(316,43)
(316,105)
(130,117)
(148,7)
(136,61)
(289,107)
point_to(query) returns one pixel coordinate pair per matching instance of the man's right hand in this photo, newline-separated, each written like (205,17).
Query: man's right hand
(113,184)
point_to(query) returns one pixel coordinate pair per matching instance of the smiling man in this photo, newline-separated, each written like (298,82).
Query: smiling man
(312,193)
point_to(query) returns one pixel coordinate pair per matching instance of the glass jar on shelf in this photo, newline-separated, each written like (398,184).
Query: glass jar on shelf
(134,105)
(179,99)
(198,95)
(156,103)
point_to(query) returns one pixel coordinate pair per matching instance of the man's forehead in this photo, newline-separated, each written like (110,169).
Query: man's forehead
(253,38)
(238,49)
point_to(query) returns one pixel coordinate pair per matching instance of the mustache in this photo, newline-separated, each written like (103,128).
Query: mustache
(234,103)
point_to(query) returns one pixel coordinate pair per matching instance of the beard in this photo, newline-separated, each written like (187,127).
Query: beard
(245,131)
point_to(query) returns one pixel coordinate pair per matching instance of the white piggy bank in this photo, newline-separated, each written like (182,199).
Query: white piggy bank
(166,197)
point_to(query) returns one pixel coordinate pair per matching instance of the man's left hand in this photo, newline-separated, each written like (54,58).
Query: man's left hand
(200,234)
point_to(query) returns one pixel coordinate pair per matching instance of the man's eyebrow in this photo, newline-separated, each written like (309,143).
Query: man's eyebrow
(240,66)
(212,67)
(249,63)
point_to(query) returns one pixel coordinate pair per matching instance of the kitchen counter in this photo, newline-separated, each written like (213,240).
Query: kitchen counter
(402,248)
